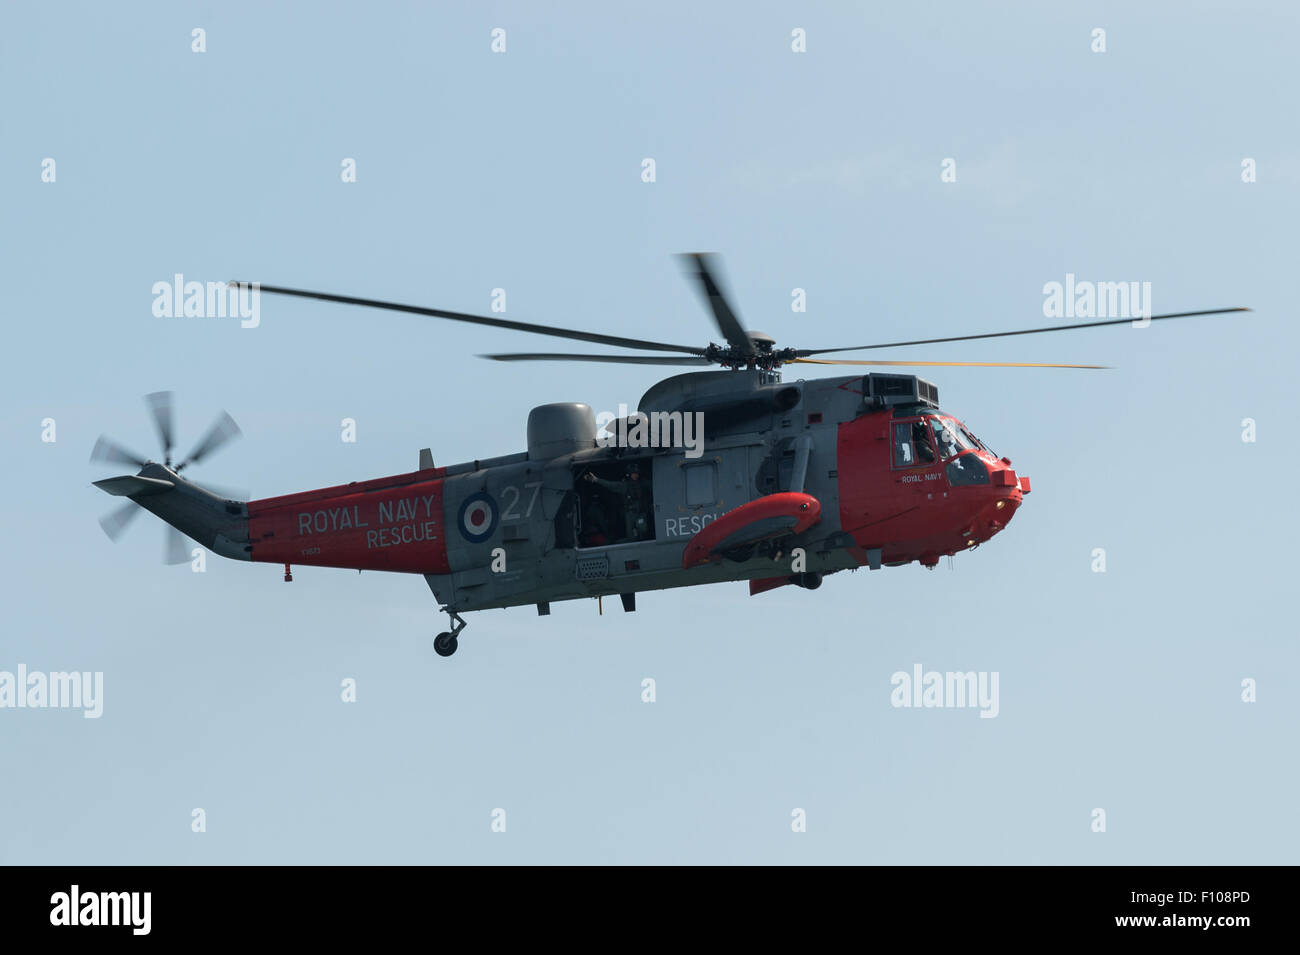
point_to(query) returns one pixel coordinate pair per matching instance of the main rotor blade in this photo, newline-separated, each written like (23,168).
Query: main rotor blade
(222,432)
(615,359)
(553,330)
(108,452)
(175,548)
(728,324)
(944,364)
(804,352)
(115,522)
(160,407)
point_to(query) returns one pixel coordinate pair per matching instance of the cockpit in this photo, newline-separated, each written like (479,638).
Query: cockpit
(952,437)
(922,441)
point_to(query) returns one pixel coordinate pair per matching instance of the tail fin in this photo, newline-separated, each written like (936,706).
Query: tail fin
(218,524)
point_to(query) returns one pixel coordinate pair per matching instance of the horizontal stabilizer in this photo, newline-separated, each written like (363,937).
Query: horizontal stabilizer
(132,485)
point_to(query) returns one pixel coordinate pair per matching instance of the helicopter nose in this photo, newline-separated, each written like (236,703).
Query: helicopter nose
(1009,490)
(1001,499)
(1002,477)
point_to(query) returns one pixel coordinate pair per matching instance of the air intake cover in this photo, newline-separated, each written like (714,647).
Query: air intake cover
(559,429)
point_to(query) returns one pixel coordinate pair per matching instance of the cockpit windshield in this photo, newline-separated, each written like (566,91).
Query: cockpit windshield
(952,437)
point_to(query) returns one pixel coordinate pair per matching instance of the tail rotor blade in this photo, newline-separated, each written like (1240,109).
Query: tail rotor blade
(160,406)
(223,431)
(176,549)
(108,452)
(115,522)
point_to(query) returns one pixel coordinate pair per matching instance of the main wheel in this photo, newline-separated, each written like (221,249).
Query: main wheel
(444,644)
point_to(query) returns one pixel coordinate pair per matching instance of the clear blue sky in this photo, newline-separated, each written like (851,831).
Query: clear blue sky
(522,171)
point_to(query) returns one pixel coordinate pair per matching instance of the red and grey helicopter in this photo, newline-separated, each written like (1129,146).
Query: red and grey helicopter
(722,475)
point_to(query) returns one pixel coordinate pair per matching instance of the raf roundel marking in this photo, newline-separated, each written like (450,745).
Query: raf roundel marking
(478,518)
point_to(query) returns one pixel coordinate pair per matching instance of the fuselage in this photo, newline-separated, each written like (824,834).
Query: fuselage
(573,516)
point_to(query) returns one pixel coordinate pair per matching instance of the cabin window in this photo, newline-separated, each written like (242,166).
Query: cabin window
(614,503)
(912,448)
(701,484)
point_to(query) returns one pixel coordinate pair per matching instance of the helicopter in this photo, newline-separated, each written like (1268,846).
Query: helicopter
(729,474)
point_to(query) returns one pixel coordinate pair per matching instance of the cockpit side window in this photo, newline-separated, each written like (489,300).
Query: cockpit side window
(921,444)
(912,448)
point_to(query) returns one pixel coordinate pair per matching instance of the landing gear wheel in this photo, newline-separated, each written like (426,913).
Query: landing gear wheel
(444,644)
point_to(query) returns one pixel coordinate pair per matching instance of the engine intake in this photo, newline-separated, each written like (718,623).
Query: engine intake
(559,429)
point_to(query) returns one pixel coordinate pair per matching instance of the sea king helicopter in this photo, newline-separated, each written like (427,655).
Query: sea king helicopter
(751,478)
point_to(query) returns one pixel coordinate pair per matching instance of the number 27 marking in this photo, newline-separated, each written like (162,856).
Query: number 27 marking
(511,493)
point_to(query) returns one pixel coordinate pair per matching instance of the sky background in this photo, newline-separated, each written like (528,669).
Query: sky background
(1118,690)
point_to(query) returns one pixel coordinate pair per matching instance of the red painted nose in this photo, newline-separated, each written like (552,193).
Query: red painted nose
(1009,490)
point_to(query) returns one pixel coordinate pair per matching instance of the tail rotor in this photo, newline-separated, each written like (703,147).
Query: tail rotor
(153,478)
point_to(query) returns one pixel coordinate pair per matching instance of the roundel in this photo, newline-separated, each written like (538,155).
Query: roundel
(478,518)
